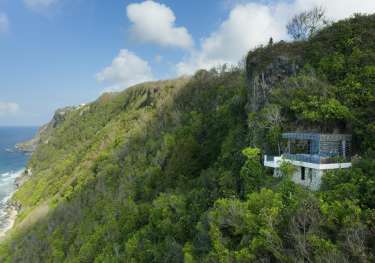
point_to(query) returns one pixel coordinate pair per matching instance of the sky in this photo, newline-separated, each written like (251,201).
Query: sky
(56,53)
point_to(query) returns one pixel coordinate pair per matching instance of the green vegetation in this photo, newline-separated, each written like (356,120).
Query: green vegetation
(163,171)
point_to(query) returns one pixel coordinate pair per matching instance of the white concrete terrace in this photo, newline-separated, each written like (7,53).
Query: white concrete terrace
(276,161)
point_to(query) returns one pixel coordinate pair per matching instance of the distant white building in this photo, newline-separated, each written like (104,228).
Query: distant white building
(312,154)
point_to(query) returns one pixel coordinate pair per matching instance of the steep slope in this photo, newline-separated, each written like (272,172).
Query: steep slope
(73,144)
(161,172)
(114,153)
(46,131)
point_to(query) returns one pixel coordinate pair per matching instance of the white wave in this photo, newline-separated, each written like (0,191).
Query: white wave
(6,199)
(7,187)
(7,184)
(15,174)
(12,174)
(8,178)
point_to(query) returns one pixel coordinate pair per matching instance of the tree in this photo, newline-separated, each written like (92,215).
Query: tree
(247,231)
(271,124)
(252,173)
(287,169)
(303,225)
(270,42)
(307,23)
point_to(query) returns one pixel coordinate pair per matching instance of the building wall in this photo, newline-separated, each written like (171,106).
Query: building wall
(313,177)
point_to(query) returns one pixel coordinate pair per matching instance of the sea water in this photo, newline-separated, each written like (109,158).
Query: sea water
(12,164)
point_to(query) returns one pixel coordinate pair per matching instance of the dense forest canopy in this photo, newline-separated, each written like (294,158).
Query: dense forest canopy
(171,171)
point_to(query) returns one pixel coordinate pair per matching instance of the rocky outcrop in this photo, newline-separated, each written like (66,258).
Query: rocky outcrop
(30,146)
(20,180)
(268,66)
(60,115)
(261,82)
(45,131)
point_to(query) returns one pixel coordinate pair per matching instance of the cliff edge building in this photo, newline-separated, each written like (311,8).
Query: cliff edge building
(312,154)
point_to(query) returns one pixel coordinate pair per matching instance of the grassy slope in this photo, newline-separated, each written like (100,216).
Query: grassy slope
(113,150)
(86,134)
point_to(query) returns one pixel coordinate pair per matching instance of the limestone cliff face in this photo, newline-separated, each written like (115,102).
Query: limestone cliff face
(60,115)
(45,131)
(268,67)
(261,82)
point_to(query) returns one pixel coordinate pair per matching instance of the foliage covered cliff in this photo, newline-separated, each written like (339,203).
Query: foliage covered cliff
(46,130)
(161,172)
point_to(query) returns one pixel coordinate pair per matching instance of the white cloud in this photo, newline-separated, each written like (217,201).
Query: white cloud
(338,9)
(7,108)
(40,5)
(127,69)
(247,26)
(4,23)
(252,24)
(155,23)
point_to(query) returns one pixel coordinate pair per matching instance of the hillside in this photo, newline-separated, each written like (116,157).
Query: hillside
(164,172)
(47,130)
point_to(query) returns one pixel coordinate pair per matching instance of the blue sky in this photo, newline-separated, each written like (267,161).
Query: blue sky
(55,53)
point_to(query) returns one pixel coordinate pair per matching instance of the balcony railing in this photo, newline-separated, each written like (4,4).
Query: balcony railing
(317,159)
(270,158)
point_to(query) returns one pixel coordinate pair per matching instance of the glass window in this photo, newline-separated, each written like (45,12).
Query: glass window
(303,173)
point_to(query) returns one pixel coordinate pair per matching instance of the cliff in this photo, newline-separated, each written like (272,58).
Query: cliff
(163,172)
(43,134)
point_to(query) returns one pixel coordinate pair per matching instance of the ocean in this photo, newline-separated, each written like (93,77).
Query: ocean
(12,164)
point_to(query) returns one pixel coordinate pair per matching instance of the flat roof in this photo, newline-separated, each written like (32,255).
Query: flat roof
(316,136)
